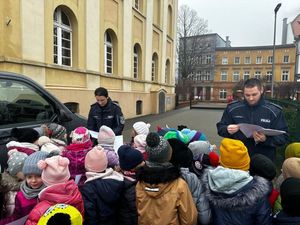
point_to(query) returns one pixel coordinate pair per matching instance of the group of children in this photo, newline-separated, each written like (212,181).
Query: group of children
(171,176)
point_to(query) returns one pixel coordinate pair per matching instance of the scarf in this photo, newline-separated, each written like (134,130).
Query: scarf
(30,193)
(108,174)
(80,146)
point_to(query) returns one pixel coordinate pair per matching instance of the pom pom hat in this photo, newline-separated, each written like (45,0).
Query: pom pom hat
(158,148)
(15,162)
(96,160)
(141,127)
(234,154)
(30,165)
(55,170)
(80,135)
(106,135)
(129,157)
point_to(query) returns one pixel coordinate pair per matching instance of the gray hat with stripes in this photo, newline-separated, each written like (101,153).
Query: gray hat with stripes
(30,164)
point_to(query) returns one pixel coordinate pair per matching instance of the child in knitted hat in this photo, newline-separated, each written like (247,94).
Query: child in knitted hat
(160,183)
(234,195)
(290,198)
(182,157)
(261,165)
(61,214)
(27,197)
(130,160)
(106,139)
(76,152)
(204,157)
(194,135)
(12,178)
(57,133)
(139,127)
(139,142)
(101,191)
(26,140)
(55,175)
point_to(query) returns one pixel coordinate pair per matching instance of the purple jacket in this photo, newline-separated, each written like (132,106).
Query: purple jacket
(76,154)
(23,206)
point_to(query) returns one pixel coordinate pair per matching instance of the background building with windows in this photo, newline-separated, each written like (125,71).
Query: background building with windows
(72,47)
(241,63)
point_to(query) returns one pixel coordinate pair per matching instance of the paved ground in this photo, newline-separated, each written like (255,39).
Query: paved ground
(199,119)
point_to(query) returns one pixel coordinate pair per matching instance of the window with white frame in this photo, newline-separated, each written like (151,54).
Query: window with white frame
(62,39)
(236,60)
(285,75)
(246,75)
(257,74)
(224,60)
(223,75)
(236,76)
(247,60)
(135,63)
(258,60)
(206,75)
(286,59)
(270,59)
(269,76)
(108,54)
(222,94)
(208,59)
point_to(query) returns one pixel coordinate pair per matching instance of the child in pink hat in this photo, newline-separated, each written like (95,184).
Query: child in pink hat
(101,191)
(76,152)
(55,175)
(106,139)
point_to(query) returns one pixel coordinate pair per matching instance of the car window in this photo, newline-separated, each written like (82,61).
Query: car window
(21,104)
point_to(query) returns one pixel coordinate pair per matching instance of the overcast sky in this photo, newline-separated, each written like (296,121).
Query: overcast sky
(246,22)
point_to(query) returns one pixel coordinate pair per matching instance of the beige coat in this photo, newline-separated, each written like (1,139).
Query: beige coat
(165,204)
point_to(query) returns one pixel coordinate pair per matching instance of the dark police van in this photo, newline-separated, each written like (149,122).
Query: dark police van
(25,103)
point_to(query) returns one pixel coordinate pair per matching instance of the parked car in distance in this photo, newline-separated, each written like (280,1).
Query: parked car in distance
(25,103)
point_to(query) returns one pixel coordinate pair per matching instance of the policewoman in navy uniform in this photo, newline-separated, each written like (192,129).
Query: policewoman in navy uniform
(105,112)
(254,109)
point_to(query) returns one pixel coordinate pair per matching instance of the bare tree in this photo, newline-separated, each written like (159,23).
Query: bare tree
(189,25)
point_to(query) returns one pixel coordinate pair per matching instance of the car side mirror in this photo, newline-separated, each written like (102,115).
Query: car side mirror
(63,116)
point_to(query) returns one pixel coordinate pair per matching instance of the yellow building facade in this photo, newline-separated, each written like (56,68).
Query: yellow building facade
(72,47)
(241,63)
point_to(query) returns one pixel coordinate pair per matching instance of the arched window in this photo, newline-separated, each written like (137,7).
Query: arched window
(154,68)
(62,38)
(139,107)
(135,63)
(108,53)
(170,21)
(167,71)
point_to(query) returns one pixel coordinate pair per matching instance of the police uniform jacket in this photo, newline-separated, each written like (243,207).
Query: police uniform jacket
(110,115)
(264,114)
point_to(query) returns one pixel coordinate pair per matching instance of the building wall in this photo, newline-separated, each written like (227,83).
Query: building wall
(253,52)
(27,48)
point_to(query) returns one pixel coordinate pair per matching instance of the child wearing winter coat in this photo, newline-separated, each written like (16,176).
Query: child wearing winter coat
(290,200)
(204,157)
(162,196)
(27,197)
(182,157)
(76,152)
(59,189)
(140,144)
(106,139)
(57,133)
(26,140)
(130,160)
(262,166)
(235,196)
(101,191)
(139,127)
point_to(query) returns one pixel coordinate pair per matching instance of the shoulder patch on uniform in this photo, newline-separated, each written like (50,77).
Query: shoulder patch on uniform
(273,104)
(116,103)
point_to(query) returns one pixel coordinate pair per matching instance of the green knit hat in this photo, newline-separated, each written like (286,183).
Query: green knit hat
(178,135)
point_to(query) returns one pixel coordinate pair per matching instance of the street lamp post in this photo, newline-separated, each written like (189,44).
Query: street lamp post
(273,59)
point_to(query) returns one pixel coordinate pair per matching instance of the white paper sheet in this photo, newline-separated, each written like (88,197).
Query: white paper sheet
(248,129)
(94,134)
(118,142)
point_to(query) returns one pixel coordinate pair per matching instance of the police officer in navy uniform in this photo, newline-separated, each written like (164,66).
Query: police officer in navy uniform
(254,109)
(105,112)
